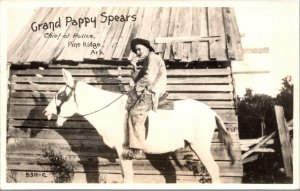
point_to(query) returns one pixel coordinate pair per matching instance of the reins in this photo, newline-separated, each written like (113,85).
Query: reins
(102,107)
(98,110)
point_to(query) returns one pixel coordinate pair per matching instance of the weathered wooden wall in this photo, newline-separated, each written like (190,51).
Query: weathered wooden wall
(28,131)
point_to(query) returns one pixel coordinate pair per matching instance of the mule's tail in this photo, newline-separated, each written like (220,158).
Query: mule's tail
(225,137)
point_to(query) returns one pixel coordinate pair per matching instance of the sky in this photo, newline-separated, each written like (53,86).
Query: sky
(275,26)
(272,24)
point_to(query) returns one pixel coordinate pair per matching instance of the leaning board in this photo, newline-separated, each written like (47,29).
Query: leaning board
(28,131)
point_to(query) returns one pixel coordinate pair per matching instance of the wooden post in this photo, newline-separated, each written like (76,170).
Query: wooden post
(286,148)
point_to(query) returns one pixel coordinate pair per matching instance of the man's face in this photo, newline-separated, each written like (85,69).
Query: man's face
(141,51)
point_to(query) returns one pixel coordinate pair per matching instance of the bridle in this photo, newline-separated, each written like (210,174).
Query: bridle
(63,97)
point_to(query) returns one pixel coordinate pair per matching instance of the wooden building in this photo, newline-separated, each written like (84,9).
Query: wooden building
(197,44)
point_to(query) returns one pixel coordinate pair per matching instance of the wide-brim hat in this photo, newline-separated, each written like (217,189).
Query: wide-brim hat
(141,41)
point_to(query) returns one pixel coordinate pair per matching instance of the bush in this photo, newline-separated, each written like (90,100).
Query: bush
(62,168)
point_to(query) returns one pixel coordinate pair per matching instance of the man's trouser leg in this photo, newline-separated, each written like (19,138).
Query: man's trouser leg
(136,121)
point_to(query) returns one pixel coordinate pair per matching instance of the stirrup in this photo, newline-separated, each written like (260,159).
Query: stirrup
(127,154)
(138,154)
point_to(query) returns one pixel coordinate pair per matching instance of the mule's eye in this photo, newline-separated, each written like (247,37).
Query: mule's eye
(62,96)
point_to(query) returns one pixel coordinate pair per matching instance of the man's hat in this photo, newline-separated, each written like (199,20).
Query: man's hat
(143,42)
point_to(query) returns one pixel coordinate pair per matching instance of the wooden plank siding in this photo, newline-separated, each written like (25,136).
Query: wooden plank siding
(28,131)
(114,38)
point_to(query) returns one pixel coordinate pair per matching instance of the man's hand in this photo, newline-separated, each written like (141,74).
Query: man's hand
(134,60)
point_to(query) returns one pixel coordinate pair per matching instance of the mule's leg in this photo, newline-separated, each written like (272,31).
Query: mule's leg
(201,146)
(126,167)
(208,161)
(127,170)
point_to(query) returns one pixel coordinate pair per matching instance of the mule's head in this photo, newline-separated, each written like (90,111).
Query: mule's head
(63,104)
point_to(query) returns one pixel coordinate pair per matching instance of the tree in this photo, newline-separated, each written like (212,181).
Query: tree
(285,97)
(255,115)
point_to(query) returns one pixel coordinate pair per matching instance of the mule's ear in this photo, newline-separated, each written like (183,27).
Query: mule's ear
(68,78)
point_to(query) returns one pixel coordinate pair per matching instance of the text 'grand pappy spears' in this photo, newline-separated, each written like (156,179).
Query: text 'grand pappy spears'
(81,22)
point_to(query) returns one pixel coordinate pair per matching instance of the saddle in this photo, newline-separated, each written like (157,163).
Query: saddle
(165,104)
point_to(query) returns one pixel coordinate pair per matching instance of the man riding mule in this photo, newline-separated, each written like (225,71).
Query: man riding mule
(150,85)
(190,121)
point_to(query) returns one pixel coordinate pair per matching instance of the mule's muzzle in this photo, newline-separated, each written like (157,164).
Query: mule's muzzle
(47,114)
